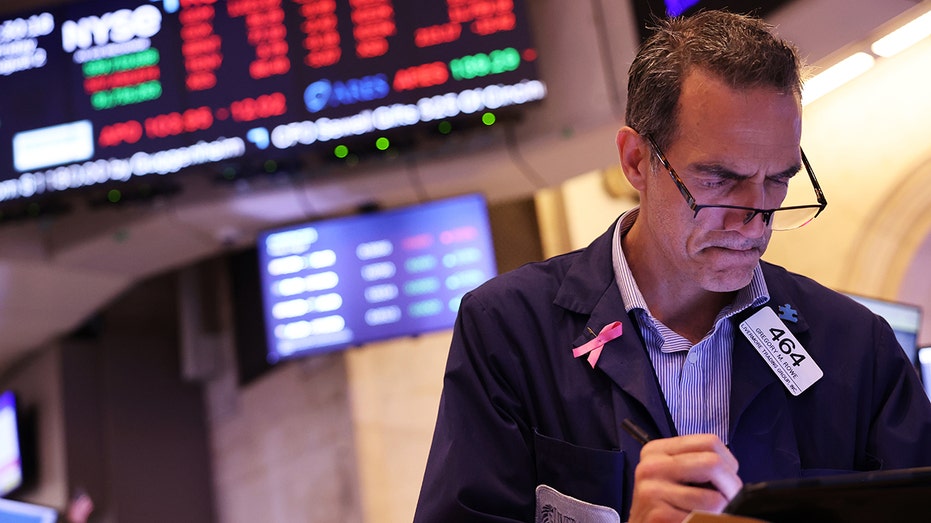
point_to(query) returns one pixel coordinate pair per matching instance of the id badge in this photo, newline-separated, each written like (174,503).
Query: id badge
(778,347)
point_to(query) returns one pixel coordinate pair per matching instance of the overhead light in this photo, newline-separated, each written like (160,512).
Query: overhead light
(836,75)
(903,37)
(858,63)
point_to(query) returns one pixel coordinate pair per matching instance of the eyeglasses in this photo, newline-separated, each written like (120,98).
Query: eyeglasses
(779,219)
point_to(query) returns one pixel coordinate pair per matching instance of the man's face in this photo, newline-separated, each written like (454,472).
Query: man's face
(733,147)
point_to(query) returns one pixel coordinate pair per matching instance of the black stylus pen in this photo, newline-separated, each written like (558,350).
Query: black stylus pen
(635,431)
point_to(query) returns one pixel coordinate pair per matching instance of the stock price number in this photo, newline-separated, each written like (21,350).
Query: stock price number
(160,126)
(249,109)
(482,64)
(172,124)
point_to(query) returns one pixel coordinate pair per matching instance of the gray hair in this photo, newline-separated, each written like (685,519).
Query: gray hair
(741,50)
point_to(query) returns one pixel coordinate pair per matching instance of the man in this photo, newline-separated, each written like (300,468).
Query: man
(661,321)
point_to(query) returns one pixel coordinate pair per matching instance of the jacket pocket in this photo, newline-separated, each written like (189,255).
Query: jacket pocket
(593,475)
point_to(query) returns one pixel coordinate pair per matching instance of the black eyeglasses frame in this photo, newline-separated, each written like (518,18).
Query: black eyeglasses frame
(767,214)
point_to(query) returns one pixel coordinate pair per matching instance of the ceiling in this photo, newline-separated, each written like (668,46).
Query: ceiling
(57,271)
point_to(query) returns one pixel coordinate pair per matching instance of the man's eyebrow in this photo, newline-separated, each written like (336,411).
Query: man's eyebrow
(716,169)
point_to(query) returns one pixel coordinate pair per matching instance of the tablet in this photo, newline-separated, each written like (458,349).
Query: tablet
(888,495)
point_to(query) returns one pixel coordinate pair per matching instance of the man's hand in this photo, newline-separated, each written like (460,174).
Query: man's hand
(678,475)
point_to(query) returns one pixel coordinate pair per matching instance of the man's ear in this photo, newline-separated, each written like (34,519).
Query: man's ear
(633,152)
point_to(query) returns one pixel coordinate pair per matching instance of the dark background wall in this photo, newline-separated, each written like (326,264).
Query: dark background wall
(136,433)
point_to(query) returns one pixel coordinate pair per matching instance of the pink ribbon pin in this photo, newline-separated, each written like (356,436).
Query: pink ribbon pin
(593,348)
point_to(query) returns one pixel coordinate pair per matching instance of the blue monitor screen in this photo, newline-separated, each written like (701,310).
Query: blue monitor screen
(11,462)
(347,281)
(924,364)
(905,320)
(18,512)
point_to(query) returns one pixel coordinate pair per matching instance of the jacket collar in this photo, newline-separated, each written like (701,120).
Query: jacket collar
(590,289)
(589,276)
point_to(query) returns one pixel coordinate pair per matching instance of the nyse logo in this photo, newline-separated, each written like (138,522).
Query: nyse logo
(119,26)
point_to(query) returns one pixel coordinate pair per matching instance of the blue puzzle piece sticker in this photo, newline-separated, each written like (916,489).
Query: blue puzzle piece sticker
(787,313)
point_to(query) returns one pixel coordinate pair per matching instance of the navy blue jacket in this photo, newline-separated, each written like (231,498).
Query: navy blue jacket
(518,410)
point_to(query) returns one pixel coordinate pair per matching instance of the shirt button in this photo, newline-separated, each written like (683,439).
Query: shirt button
(693,356)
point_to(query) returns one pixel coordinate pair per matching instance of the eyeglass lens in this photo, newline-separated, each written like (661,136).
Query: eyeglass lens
(782,219)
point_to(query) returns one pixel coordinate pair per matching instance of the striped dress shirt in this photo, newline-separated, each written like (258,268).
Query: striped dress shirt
(695,379)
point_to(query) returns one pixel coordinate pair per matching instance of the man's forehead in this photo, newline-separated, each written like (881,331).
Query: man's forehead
(711,111)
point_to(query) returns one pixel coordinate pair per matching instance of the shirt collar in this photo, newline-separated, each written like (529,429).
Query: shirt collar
(753,295)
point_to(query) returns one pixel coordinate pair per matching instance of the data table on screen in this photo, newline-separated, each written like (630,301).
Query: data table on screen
(347,281)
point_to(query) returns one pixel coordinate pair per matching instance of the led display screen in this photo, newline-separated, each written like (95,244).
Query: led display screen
(347,281)
(904,318)
(648,10)
(924,365)
(112,90)
(19,512)
(11,459)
